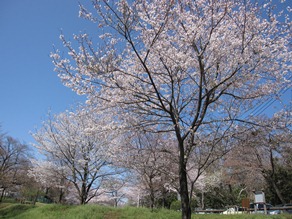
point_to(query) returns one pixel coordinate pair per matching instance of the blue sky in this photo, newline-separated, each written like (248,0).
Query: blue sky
(29,87)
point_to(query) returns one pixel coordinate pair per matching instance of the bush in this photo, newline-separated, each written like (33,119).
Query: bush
(175,205)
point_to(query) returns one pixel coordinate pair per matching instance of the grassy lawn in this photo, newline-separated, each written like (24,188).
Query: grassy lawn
(52,211)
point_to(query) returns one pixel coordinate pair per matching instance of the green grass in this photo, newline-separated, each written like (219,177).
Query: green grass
(52,211)
(9,210)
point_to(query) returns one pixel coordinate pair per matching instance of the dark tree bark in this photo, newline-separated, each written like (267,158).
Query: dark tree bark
(2,194)
(184,194)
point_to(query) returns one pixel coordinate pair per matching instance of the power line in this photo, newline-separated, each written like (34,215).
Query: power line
(261,107)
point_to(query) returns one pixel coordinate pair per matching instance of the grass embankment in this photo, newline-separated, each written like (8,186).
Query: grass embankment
(51,211)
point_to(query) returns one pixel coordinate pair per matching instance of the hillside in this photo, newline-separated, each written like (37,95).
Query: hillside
(52,211)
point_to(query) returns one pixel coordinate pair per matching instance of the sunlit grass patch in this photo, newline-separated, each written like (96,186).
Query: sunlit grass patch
(54,211)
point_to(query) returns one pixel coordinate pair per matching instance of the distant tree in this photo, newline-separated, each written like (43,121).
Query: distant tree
(180,66)
(221,195)
(261,154)
(30,190)
(152,158)
(115,190)
(14,164)
(120,190)
(77,150)
(282,177)
(50,179)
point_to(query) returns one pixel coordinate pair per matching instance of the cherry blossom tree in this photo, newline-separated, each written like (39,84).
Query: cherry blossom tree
(14,163)
(76,152)
(254,161)
(179,66)
(204,182)
(118,190)
(153,158)
(49,176)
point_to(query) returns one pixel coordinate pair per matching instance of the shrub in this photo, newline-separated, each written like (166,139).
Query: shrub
(175,205)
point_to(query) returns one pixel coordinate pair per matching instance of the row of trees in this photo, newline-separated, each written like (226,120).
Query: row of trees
(106,164)
(193,69)
(14,166)
(170,82)
(140,168)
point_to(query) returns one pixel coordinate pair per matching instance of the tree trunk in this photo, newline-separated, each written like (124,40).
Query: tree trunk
(278,191)
(82,193)
(203,201)
(152,199)
(138,201)
(36,197)
(184,194)
(164,192)
(2,194)
(272,177)
(61,196)
(231,194)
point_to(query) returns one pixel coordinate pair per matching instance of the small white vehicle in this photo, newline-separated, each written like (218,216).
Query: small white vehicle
(234,210)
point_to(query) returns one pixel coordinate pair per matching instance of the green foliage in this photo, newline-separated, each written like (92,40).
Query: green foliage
(9,200)
(166,200)
(8,210)
(53,211)
(175,205)
(222,196)
(283,179)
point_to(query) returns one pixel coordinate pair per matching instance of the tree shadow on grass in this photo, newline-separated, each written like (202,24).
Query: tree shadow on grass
(13,210)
